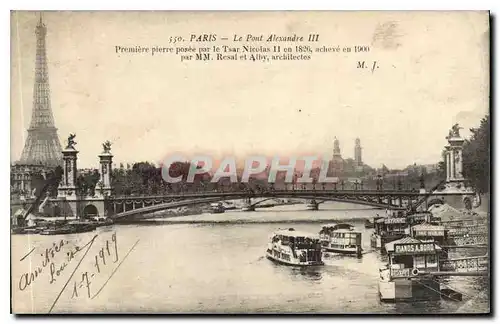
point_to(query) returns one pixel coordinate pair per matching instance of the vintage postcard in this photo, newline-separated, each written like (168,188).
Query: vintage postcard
(250,162)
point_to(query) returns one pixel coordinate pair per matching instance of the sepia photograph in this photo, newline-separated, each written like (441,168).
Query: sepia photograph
(250,162)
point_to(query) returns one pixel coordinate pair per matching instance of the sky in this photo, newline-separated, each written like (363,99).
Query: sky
(433,72)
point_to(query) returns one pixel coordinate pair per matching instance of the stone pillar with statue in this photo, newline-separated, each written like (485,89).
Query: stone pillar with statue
(67,194)
(454,161)
(67,187)
(455,181)
(105,168)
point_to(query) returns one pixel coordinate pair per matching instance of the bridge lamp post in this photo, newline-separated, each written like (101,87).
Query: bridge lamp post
(422,181)
(379,182)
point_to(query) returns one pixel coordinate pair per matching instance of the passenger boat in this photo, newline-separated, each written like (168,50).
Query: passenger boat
(432,232)
(57,230)
(82,226)
(388,229)
(17,230)
(429,233)
(25,230)
(312,205)
(102,221)
(248,208)
(32,230)
(228,205)
(369,224)
(217,208)
(451,294)
(422,217)
(341,238)
(409,274)
(294,248)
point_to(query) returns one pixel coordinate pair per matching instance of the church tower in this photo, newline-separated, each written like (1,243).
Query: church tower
(336,149)
(337,165)
(357,152)
(358,160)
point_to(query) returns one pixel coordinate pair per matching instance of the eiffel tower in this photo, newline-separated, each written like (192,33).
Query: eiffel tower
(42,147)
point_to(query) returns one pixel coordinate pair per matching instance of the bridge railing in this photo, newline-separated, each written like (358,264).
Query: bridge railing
(342,185)
(269,192)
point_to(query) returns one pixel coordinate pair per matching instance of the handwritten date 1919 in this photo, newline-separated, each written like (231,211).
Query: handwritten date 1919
(109,250)
(107,254)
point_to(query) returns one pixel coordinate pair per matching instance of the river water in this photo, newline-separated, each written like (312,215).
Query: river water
(209,264)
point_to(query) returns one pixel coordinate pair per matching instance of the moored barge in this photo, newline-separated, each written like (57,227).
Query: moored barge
(408,274)
(217,208)
(388,229)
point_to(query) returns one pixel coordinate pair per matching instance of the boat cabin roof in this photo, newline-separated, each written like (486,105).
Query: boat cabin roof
(340,226)
(407,241)
(293,233)
(427,227)
(78,222)
(419,213)
(391,220)
(343,230)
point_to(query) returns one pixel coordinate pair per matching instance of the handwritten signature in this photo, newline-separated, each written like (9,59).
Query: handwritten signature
(106,256)
(50,253)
